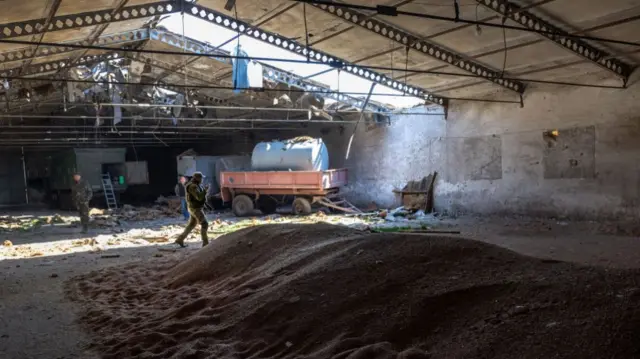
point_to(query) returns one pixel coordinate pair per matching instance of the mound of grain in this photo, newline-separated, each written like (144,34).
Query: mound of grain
(320,291)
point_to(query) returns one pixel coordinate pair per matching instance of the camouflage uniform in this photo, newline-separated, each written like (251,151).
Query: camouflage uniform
(196,197)
(82,193)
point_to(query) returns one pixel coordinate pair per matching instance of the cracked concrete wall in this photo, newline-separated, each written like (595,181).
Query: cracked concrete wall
(498,158)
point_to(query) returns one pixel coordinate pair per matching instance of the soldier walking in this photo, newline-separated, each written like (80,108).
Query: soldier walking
(81,193)
(196,196)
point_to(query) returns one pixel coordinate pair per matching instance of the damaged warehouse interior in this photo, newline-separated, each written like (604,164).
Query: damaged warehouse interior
(319,179)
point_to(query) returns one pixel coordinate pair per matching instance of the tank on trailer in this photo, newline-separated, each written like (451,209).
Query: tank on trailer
(296,154)
(211,166)
(295,169)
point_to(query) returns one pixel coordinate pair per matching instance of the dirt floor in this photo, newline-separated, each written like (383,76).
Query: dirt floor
(38,320)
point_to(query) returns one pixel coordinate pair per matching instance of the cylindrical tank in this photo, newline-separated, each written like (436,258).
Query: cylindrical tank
(296,154)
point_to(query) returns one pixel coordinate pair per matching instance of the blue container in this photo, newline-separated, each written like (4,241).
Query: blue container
(298,154)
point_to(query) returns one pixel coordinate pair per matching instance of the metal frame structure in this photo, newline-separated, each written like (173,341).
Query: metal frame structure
(100,29)
(25,53)
(269,72)
(39,37)
(45,67)
(579,47)
(220,19)
(52,67)
(90,18)
(427,48)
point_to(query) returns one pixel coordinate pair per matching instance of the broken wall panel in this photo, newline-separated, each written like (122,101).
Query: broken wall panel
(570,154)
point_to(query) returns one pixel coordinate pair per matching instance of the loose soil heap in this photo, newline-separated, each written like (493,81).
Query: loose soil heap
(322,291)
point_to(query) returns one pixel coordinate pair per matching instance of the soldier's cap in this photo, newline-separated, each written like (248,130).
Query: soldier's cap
(197,175)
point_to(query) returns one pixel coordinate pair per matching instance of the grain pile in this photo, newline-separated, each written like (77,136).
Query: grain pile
(322,291)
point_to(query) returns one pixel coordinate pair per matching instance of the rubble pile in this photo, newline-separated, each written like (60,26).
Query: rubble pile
(27,223)
(127,213)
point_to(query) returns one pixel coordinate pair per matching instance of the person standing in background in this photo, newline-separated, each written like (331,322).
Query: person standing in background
(181,192)
(82,193)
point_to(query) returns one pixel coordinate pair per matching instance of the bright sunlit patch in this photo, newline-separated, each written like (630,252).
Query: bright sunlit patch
(204,31)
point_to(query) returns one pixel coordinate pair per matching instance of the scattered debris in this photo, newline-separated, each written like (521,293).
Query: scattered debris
(162,200)
(110,256)
(7,243)
(31,222)
(156,239)
(54,275)
(96,211)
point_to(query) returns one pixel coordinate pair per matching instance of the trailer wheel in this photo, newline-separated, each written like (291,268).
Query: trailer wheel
(267,205)
(301,206)
(242,205)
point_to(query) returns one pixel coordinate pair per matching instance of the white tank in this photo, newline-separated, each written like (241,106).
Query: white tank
(296,154)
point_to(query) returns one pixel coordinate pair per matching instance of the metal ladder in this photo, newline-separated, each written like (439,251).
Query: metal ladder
(109,195)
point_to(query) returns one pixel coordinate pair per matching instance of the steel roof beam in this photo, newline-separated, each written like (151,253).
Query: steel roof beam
(85,19)
(553,33)
(422,46)
(52,12)
(100,29)
(44,51)
(220,19)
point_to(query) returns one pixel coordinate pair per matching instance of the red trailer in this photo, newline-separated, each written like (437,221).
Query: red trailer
(262,190)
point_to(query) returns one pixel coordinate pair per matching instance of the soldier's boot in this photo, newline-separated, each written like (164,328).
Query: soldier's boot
(180,241)
(190,225)
(203,231)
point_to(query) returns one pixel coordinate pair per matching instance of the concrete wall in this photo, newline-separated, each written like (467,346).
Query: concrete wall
(495,158)
(590,170)
(384,158)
